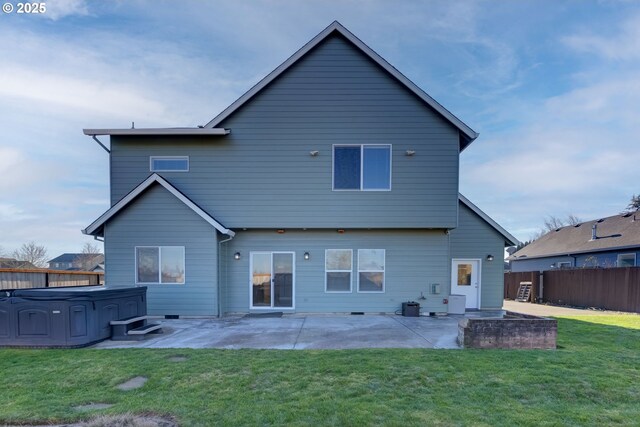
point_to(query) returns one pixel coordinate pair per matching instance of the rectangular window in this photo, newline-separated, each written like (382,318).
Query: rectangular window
(169,164)
(338,266)
(564,264)
(362,167)
(626,260)
(160,264)
(371,270)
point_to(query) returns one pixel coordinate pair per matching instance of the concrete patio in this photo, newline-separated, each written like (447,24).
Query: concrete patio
(298,332)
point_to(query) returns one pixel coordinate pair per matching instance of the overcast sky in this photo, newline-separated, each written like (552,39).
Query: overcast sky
(553,88)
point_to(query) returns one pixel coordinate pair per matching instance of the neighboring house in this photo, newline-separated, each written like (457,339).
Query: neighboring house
(71,261)
(608,242)
(330,186)
(14,263)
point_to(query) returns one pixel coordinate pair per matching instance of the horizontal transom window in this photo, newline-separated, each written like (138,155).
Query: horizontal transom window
(169,164)
(160,264)
(365,167)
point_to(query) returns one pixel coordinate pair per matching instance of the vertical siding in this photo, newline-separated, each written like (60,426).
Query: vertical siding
(414,260)
(157,218)
(474,238)
(262,176)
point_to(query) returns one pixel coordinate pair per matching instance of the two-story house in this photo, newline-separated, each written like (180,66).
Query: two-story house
(330,186)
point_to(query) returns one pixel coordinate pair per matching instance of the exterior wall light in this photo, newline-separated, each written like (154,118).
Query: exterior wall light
(307,256)
(236,256)
(314,153)
(489,257)
(410,153)
(280,231)
(340,231)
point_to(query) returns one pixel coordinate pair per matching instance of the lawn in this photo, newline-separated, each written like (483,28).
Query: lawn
(592,379)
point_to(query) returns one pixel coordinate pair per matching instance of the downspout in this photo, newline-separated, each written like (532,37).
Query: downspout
(101,144)
(219,287)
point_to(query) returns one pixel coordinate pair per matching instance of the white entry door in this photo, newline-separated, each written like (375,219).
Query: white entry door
(465,280)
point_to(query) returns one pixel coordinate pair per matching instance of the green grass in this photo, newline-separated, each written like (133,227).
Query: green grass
(592,379)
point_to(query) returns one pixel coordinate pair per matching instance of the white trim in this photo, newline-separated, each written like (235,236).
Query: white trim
(337,27)
(383,271)
(158,131)
(635,260)
(508,237)
(152,158)
(159,282)
(362,147)
(479,289)
(293,279)
(338,271)
(98,223)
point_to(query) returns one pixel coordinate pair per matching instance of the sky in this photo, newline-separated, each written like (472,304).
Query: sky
(552,86)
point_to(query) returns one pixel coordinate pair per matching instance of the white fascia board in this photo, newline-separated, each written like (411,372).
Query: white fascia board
(91,229)
(508,237)
(336,26)
(158,131)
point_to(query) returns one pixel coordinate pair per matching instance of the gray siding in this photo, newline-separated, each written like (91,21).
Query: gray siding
(157,218)
(414,260)
(262,176)
(476,239)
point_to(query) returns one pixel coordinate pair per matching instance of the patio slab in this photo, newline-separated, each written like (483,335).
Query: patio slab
(297,332)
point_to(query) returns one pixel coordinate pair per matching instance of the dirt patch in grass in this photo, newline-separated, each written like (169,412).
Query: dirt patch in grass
(123,420)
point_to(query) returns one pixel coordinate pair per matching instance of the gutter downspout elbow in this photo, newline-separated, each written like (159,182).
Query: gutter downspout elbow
(101,144)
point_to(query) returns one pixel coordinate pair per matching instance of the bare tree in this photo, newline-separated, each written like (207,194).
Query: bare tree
(33,253)
(87,259)
(553,223)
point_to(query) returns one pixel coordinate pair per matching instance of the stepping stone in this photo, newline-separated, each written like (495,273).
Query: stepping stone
(178,359)
(132,384)
(93,406)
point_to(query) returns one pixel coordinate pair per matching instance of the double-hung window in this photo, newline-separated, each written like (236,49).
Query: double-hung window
(365,167)
(160,264)
(371,270)
(169,163)
(338,270)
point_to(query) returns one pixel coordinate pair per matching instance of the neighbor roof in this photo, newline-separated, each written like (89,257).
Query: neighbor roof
(96,228)
(66,257)
(508,238)
(467,134)
(613,233)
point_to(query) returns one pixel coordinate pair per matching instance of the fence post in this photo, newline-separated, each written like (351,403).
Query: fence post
(46,280)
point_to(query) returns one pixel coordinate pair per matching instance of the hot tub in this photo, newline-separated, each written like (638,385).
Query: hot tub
(65,317)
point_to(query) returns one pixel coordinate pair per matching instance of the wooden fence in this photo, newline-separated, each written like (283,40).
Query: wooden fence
(13,278)
(606,288)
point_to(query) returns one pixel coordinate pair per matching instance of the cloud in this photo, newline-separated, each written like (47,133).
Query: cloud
(57,9)
(622,46)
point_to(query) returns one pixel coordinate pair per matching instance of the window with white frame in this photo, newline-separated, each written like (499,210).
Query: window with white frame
(627,260)
(160,264)
(564,264)
(371,270)
(365,167)
(169,163)
(338,267)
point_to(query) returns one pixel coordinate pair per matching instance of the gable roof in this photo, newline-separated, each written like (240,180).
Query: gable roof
(68,257)
(15,264)
(508,238)
(613,233)
(96,228)
(467,134)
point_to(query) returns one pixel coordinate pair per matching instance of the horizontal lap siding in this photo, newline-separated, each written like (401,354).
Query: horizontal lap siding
(157,218)
(262,176)
(414,260)
(476,239)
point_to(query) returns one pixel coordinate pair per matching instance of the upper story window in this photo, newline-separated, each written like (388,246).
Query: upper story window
(363,167)
(169,164)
